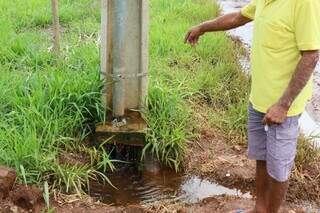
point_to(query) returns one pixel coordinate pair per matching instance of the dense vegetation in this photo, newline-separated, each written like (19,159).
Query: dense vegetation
(185,78)
(46,103)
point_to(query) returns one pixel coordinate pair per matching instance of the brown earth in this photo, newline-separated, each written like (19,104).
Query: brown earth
(229,204)
(223,204)
(23,199)
(220,204)
(213,158)
(7,179)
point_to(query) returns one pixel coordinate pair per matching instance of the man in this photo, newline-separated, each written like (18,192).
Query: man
(284,55)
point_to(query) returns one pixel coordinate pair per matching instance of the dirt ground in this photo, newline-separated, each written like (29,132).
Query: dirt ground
(30,200)
(22,199)
(220,204)
(211,157)
(223,204)
(228,204)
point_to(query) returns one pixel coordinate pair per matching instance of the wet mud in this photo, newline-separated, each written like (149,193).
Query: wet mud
(143,188)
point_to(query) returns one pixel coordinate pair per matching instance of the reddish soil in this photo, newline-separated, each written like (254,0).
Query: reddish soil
(85,207)
(222,204)
(219,204)
(23,199)
(29,199)
(7,179)
(213,158)
(229,204)
(76,159)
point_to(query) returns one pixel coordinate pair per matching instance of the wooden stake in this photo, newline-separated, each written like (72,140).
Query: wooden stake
(56,26)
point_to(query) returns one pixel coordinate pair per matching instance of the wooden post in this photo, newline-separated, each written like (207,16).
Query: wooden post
(56,27)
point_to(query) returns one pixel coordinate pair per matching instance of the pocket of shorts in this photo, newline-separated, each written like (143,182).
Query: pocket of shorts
(285,142)
(287,133)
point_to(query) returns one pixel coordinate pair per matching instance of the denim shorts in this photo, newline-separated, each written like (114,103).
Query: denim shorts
(275,144)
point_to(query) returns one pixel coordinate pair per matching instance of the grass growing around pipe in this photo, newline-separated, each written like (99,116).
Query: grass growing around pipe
(46,103)
(183,77)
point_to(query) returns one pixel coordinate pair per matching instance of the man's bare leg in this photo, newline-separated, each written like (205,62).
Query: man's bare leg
(262,186)
(277,194)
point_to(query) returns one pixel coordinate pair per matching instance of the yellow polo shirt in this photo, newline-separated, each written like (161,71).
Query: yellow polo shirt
(282,29)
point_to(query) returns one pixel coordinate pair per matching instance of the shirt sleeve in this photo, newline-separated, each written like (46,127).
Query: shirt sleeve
(307,25)
(249,10)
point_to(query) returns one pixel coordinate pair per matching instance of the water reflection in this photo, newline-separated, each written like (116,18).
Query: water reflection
(137,187)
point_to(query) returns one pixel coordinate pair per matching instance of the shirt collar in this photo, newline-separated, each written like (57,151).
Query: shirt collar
(269,1)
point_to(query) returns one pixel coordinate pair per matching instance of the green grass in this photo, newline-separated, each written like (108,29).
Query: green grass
(46,103)
(183,77)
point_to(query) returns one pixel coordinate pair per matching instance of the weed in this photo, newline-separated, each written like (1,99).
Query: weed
(307,152)
(48,103)
(182,77)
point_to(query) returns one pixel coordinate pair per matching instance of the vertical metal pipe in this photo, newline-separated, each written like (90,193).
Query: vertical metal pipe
(106,68)
(119,45)
(144,62)
(124,54)
(104,49)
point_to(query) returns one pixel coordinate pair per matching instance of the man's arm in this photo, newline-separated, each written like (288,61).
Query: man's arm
(278,112)
(225,22)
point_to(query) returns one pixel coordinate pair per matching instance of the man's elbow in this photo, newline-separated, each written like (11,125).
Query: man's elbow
(240,20)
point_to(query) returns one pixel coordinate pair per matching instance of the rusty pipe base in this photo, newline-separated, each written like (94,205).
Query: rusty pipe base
(131,132)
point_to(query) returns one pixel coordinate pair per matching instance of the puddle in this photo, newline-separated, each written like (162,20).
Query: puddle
(195,189)
(137,187)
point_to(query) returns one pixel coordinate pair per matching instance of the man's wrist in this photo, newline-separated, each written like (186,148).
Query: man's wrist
(285,104)
(202,28)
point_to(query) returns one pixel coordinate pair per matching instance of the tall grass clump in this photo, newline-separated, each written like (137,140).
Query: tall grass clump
(168,120)
(49,103)
(307,152)
(183,77)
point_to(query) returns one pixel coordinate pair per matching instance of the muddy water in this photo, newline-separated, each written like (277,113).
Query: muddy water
(310,120)
(137,187)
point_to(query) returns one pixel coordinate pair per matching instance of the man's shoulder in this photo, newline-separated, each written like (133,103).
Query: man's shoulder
(307,2)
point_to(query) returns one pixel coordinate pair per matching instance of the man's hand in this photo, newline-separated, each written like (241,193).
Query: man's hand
(222,23)
(275,114)
(278,112)
(193,35)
